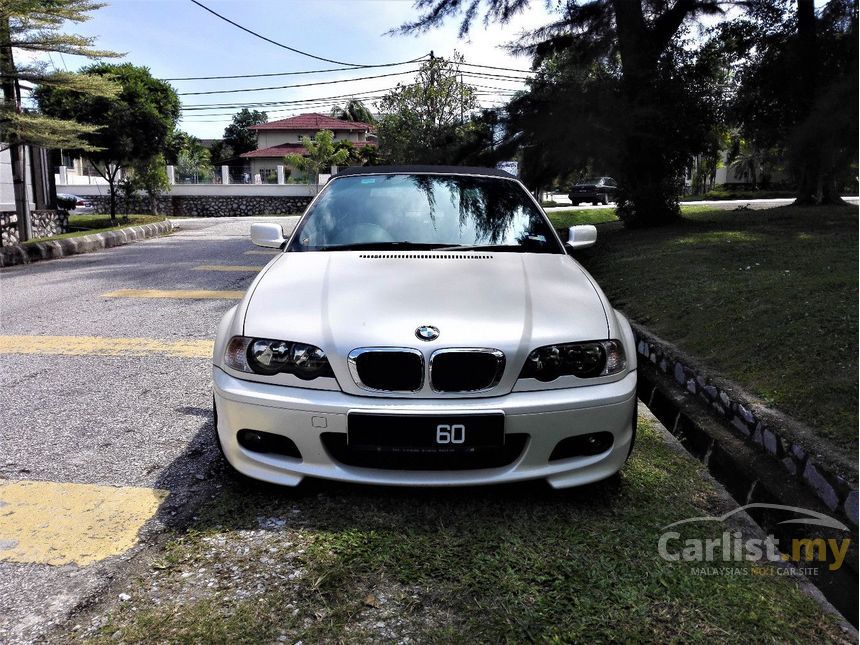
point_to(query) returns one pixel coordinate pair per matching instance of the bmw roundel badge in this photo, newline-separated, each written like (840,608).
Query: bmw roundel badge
(427,332)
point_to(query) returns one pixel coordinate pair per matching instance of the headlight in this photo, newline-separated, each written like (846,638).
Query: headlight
(269,357)
(583,360)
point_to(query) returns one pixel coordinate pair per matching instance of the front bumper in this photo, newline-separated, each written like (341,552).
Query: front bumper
(546,417)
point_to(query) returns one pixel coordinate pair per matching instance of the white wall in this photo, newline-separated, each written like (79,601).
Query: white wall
(7,189)
(211,190)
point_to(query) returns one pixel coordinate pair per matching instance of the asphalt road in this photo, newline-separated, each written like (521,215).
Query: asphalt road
(134,423)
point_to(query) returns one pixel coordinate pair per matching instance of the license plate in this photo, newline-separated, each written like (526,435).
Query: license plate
(425,434)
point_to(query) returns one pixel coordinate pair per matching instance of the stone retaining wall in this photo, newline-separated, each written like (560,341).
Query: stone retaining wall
(209,206)
(764,429)
(45,223)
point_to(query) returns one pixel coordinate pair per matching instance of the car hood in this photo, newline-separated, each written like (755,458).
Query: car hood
(343,300)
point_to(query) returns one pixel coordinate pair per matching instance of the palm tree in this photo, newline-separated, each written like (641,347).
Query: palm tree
(748,162)
(354,111)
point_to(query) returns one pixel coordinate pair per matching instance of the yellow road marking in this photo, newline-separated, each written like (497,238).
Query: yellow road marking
(174,293)
(62,523)
(227,267)
(80,345)
(261,252)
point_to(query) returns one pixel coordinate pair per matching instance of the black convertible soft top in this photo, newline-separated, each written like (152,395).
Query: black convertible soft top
(423,170)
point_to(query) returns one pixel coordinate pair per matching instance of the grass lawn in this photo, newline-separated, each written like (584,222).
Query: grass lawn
(740,194)
(98,223)
(766,297)
(357,564)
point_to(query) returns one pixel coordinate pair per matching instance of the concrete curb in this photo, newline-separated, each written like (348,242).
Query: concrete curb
(27,253)
(792,447)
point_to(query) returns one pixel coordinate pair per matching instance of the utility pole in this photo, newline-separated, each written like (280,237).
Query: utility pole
(17,152)
(462,99)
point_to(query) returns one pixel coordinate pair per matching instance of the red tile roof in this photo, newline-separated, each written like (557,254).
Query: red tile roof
(285,148)
(312,121)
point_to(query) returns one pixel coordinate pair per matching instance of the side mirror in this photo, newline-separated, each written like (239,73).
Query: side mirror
(582,236)
(268,235)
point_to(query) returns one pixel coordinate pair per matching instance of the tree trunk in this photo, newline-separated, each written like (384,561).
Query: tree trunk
(112,186)
(17,153)
(648,194)
(806,157)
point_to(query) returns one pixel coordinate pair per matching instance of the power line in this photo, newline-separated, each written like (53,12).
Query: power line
(481,75)
(285,87)
(308,105)
(326,71)
(211,106)
(504,69)
(270,74)
(293,49)
(498,77)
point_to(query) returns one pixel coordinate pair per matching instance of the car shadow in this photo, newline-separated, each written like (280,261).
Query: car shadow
(206,494)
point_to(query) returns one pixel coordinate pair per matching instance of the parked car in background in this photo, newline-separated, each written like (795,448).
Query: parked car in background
(69,202)
(425,326)
(598,190)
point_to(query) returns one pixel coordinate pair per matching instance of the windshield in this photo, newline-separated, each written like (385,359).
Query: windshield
(590,182)
(424,212)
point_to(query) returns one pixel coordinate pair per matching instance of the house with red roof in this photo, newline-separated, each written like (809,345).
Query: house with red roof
(278,138)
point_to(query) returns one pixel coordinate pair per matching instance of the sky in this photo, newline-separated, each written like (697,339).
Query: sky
(176,38)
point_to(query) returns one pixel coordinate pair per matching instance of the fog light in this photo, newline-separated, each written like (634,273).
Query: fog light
(257,441)
(584,445)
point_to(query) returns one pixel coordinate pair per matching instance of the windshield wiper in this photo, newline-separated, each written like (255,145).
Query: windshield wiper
(380,246)
(483,247)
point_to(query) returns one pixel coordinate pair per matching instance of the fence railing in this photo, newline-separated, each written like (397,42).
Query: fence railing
(219,175)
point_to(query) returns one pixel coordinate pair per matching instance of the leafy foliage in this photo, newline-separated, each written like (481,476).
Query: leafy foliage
(321,154)
(426,121)
(354,111)
(238,136)
(779,103)
(33,26)
(193,161)
(150,176)
(624,53)
(133,126)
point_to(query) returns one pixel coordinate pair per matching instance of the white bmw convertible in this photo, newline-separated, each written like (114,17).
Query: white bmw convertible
(424,326)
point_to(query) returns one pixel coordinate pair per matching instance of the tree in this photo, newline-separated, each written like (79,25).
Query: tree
(33,26)
(354,111)
(796,90)
(321,154)
(639,33)
(426,121)
(574,119)
(193,160)
(823,141)
(238,135)
(368,155)
(150,176)
(133,127)
(219,152)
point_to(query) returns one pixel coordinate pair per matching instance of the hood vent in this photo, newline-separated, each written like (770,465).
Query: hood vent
(424,256)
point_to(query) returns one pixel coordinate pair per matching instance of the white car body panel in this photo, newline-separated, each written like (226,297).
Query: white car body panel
(343,300)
